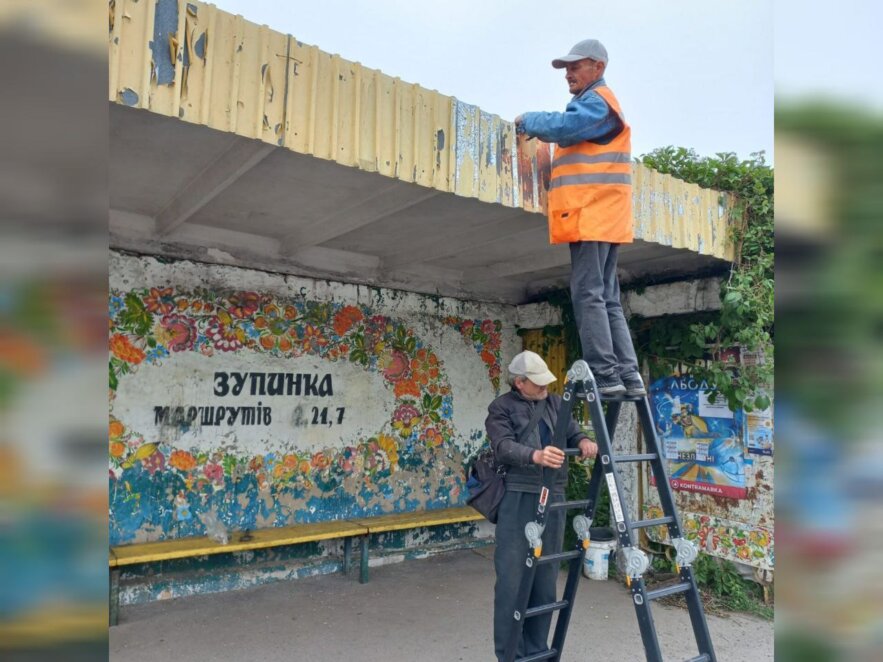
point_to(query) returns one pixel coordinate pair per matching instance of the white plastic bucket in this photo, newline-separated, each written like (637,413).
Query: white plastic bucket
(601,543)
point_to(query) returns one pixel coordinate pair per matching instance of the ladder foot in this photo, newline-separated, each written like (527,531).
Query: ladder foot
(536,657)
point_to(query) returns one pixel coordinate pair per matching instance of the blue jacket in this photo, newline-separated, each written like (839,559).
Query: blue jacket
(587,117)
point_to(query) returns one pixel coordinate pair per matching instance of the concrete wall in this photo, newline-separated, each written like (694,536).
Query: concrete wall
(267,400)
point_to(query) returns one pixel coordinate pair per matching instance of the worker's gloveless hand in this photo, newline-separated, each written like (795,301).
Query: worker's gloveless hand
(587,448)
(549,457)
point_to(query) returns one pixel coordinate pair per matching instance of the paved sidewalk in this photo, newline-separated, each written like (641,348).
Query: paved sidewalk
(431,610)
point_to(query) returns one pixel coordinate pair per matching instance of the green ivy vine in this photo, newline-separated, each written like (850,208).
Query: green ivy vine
(745,319)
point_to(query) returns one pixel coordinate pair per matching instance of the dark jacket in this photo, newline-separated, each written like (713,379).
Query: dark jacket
(507,417)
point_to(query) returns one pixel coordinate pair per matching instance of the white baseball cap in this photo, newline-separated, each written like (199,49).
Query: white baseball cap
(591,49)
(530,365)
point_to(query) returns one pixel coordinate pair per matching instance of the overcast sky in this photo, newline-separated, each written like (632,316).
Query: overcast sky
(689,73)
(830,51)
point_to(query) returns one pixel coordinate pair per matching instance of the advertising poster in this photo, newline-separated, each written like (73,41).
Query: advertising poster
(759,432)
(702,441)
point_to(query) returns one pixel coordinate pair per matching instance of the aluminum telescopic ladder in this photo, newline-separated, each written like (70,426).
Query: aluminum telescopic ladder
(632,561)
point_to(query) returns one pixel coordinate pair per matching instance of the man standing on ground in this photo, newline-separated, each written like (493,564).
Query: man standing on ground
(590,207)
(522,441)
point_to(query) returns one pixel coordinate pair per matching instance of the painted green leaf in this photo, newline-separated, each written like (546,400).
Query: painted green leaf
(135,316)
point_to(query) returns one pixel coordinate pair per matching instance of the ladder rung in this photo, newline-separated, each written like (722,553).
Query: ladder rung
(536,657)
(572,451)
(569,504)
(642,457)
(700,658)
(683,587)
(560,556)
(545,609)
(620,397)
(646,523)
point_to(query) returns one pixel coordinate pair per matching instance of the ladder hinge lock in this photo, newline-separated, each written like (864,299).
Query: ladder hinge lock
(533,531)
(632,562)
(581,526)
(685,552)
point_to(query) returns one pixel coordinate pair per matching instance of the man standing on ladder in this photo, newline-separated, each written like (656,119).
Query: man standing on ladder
(520,425)
(590,207)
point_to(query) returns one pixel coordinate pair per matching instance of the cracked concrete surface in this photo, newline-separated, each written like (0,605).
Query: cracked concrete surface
(430,610)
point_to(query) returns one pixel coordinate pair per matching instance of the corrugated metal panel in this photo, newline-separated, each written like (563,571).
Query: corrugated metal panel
(674,213)
(192,61)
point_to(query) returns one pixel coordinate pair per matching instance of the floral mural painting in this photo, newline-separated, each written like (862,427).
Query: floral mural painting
(157,490)
(486,337)
(719,537)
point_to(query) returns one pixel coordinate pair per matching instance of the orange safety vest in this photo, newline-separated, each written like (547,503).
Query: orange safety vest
(590,192)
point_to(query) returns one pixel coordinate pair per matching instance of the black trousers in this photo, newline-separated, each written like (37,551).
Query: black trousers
(516,510)
(594,291)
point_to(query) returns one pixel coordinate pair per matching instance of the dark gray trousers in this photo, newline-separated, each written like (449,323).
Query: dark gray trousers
(516,510)
(594,291)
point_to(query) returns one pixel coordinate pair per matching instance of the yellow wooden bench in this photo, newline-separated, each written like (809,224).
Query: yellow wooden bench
(180,548)
(402,521)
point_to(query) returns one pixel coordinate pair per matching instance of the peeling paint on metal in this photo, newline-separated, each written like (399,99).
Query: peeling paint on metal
(365,119)
(199,46)
(466,149)
(490,141)
(165,27)
(129,97)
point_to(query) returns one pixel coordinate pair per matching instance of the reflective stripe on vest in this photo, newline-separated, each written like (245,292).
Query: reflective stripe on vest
(600,178)
(609,157)
(590,192)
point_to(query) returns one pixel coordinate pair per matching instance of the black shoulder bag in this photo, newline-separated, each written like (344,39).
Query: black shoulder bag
(486,479)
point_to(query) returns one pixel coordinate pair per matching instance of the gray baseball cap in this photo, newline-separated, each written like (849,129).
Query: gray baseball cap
(588,48)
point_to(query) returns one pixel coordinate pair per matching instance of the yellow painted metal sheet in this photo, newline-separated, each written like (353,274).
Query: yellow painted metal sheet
(400,521)
(195,62)
(199,546)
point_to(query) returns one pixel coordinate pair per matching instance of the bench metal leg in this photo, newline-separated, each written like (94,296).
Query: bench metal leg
(347,555)
(363,573)
(114,595)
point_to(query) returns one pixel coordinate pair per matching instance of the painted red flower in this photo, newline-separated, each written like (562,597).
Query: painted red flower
(160,300)
(222,335)
(312,339)
(244,304)
(405,418)
(214,472)
(276,328)
(320,461)
(123,349)
(181,332)
(493,343)
(396,366)
(346,318)
(424,366)
(405,387)
(154,462)
(433,438)
(488,327)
